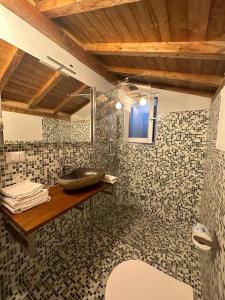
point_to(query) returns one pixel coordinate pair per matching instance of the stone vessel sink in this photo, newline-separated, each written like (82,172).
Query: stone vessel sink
(80,178)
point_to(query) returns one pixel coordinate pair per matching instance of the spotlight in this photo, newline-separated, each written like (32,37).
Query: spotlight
(118,105)
(143,101)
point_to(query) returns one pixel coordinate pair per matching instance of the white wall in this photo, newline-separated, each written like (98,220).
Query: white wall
(83,114)
(174,102)
(21,127)
(220,141)
(170,101)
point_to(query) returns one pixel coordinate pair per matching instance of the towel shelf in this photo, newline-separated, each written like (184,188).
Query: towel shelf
(24,225)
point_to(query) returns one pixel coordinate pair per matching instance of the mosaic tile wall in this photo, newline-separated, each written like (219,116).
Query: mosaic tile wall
(165,180)
(157,201)
(64,131)
(213,212)
(41,165)
(80,131)
(169,173)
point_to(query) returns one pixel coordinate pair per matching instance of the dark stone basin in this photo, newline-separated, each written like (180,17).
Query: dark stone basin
(80,178)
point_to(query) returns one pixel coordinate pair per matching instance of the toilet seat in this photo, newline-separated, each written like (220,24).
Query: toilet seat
(137,280)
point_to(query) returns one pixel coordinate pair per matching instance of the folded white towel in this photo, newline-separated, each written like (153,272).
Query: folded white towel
(16,203)
(22,189)
(27,204)
(25,207)
(110,179)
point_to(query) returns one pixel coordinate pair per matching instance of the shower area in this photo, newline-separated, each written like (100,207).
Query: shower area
(159,184)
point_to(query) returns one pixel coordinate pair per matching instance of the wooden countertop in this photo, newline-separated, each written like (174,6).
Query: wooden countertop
(36,217)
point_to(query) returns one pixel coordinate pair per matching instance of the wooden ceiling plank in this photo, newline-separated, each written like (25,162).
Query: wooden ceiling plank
(104,24)
(177,15)
(59,8)
(69,98)
(124,33)
(209,80)
(90,28)
(72,27)
(44,90)
(32,16)
(131,23)
(216,23)
(159,10)
(14,59)
(198,16)
(144,21)
(197,50)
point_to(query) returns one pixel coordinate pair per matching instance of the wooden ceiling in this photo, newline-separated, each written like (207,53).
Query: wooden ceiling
(29,86)
(135,34)
(177,45)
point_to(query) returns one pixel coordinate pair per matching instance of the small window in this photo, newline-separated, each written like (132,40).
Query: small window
(140,119)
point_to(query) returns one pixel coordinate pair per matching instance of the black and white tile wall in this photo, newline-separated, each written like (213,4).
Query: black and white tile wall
(80,131)
(213,212)
(54,131)
(158,197)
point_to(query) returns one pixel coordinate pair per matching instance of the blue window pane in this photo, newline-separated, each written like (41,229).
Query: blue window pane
(139,118)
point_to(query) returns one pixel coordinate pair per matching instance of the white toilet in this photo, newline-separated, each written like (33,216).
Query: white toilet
(137,280)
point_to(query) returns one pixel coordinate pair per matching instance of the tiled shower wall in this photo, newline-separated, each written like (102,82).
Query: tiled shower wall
(213,212)
(169,174)
(166,178)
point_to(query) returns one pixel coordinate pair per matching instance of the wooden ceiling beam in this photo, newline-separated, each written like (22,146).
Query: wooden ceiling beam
(60,8)
(20,107)
(208,80)
(195,92)
(192,50)
(39,21)
(44,90)
(13,61)
(69,98)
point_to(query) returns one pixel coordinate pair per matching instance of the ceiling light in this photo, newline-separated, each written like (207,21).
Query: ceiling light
(118,105)
(143,101)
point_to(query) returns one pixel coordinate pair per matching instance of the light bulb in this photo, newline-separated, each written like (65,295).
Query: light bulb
(143,101)
(118,105)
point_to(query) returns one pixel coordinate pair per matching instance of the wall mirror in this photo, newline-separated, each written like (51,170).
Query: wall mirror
(42,103)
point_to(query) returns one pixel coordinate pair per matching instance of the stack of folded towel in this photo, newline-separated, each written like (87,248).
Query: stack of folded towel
(23,196)
(110,179)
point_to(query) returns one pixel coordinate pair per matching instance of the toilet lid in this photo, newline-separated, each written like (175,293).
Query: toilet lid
(137,280)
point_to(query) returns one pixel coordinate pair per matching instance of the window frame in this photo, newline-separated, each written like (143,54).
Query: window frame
(152,123)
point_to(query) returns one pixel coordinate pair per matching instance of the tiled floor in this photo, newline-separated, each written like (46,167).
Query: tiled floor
(117,233)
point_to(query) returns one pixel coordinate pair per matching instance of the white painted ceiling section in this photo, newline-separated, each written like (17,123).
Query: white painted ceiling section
(17,32)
